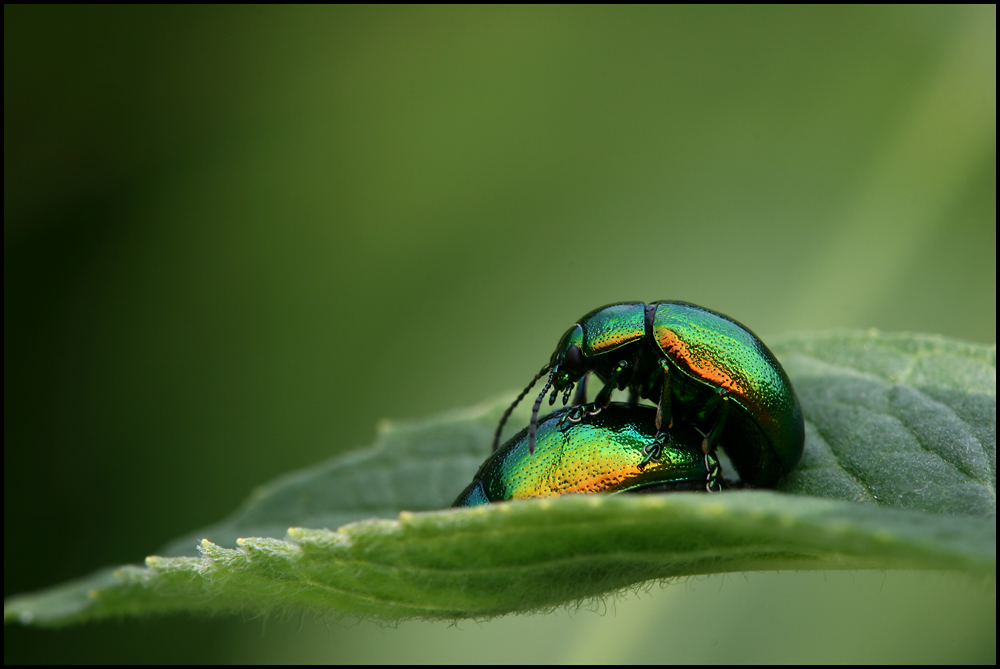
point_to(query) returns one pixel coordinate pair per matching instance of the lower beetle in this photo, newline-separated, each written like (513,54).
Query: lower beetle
(601,452)
(699,366)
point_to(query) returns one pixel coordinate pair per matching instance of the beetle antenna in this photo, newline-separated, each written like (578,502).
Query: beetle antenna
(506,414)
(533,430)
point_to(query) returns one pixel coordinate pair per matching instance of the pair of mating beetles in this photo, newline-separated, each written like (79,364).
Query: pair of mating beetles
(714,384)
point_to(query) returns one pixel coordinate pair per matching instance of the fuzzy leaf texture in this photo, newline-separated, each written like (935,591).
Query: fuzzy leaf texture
(899,472)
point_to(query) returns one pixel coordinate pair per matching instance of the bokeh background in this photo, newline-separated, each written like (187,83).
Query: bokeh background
(236,238)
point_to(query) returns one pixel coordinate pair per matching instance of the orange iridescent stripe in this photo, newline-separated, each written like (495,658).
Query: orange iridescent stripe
(703,366)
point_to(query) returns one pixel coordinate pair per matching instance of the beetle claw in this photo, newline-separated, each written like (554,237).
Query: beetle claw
(652,452)
(713,480)
(574,415)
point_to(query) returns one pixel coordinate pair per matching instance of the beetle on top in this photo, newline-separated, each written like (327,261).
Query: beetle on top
(698,366)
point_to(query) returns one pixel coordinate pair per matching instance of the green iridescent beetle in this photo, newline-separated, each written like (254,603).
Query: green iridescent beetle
(699,366)
(601,452)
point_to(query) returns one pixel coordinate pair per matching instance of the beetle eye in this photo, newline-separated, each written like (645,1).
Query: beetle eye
(574,358)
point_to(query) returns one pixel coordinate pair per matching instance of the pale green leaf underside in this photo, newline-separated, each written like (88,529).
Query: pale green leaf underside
(899,472)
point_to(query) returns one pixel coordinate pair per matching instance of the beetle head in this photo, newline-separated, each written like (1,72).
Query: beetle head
(567,360)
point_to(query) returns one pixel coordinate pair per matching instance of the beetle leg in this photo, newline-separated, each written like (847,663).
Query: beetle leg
(713,478)
(663,406)
(574,415)
(654,450)
(577,412)
(603,398)
(581,391)
(711,440)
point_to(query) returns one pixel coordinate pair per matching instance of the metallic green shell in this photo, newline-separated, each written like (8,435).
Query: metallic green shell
(612,327)
(718,352)
(599,454)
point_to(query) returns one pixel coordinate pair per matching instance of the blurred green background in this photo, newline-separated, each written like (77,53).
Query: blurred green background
(235,238)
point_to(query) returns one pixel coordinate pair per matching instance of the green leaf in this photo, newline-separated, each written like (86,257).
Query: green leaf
(899,473)
(902,421)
